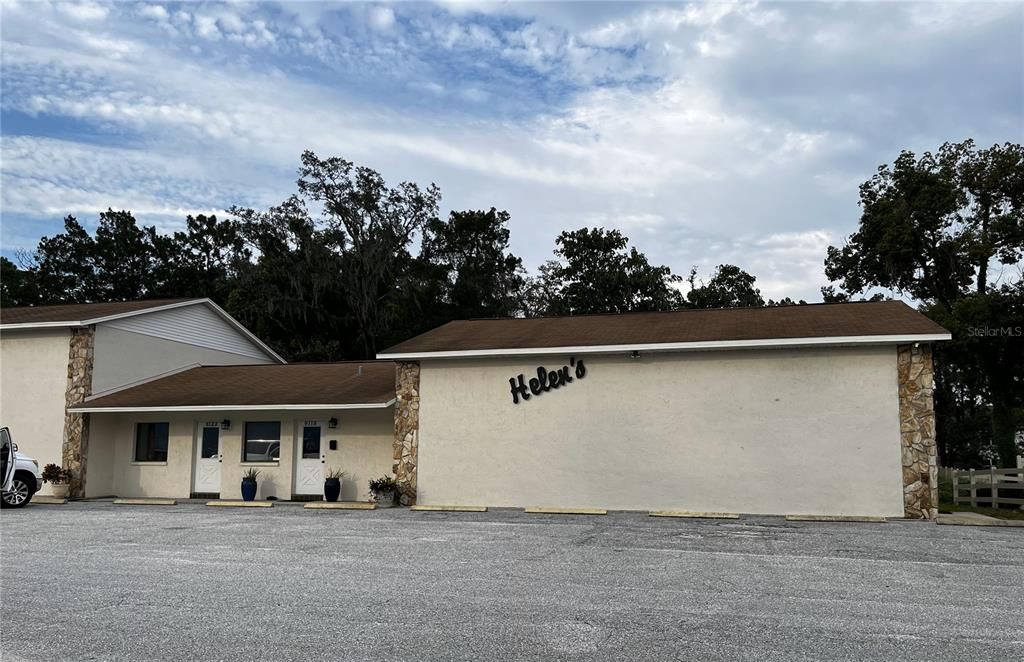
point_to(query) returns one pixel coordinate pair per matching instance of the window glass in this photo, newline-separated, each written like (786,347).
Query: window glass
(151,442)
(311,442)
(262,441)
(211,443)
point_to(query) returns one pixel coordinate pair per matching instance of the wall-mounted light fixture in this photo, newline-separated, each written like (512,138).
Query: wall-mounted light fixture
(333,423)
(225,424)
(634,354)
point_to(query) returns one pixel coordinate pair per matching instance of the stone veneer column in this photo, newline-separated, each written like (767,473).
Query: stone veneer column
(76,426)
(917,431)
(407,429)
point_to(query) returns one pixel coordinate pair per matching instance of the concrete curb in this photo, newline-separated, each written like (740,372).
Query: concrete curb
(145,502)
(48,500)
(836,518)
(451,509)
(241,504)
(340,505)
(695,515)
(565,511)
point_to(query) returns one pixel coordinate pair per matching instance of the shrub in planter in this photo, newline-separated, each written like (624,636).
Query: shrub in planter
(384,490)
(58,478)
(249,484)
(332,484)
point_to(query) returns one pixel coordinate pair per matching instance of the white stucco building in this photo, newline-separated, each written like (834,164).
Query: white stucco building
(52,357)
(194,433)
(814,409)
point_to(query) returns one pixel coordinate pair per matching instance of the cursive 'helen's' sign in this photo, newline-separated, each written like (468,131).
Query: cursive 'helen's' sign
(546,380)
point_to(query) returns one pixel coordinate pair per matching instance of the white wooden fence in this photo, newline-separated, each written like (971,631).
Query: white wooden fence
(992,487)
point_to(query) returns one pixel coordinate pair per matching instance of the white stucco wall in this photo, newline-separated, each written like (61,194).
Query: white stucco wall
(771,432)
(122,357)
(365,439)
(99,473)
(112,470)
(33,381)
(364,451)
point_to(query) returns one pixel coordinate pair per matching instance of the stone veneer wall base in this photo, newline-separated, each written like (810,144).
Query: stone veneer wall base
(74,450)
(407,430)
(917,431)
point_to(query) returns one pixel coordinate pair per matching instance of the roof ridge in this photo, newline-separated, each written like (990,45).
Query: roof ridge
(679,310)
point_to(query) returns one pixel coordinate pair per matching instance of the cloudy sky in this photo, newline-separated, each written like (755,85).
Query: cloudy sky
(708,133)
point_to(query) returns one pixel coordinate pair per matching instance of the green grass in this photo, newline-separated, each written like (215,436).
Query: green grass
(1000,513)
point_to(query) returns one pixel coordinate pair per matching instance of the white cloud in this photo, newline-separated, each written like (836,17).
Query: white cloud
(708,133)
(206,27)
(49,178)
(155,12)
(381,18)
(231,22)
(83,11)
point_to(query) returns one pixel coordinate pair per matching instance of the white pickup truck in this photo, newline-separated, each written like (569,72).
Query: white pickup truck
(20,474)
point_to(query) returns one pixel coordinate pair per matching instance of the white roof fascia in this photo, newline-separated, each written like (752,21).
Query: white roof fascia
(106,318)
(708,345)
(85,409)
(39,325)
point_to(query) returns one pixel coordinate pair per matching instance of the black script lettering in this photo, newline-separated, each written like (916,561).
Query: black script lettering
(546,380)
(542,378)
(518,389)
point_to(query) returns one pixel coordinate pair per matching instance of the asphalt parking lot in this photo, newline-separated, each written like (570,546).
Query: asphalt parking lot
(94,581)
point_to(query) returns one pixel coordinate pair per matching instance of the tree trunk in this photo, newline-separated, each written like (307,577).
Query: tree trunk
(983,261)
(1004,432)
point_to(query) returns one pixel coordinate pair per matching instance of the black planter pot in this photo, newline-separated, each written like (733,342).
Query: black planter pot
(248,490)
(332,489)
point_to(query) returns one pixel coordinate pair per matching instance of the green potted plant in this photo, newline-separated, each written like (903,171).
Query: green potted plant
(249,484)
(58,478)
(332,484)
(384,490)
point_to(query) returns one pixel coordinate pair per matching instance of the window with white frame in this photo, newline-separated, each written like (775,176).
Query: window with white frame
(262,441)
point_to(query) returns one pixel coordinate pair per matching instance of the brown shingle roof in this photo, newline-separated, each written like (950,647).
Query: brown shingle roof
(262,385)
(883,318)
(78,312)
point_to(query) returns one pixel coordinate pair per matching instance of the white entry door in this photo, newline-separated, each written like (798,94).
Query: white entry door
(207,473)
(309,460)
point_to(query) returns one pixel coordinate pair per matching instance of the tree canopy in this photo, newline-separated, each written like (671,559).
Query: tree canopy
(349,264)
(729,287)
(333,272)
(595,272)
(942,228)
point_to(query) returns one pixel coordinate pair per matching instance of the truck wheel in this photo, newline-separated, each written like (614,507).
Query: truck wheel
(20,492)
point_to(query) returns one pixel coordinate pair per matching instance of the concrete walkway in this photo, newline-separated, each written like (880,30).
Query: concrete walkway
(976,519)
